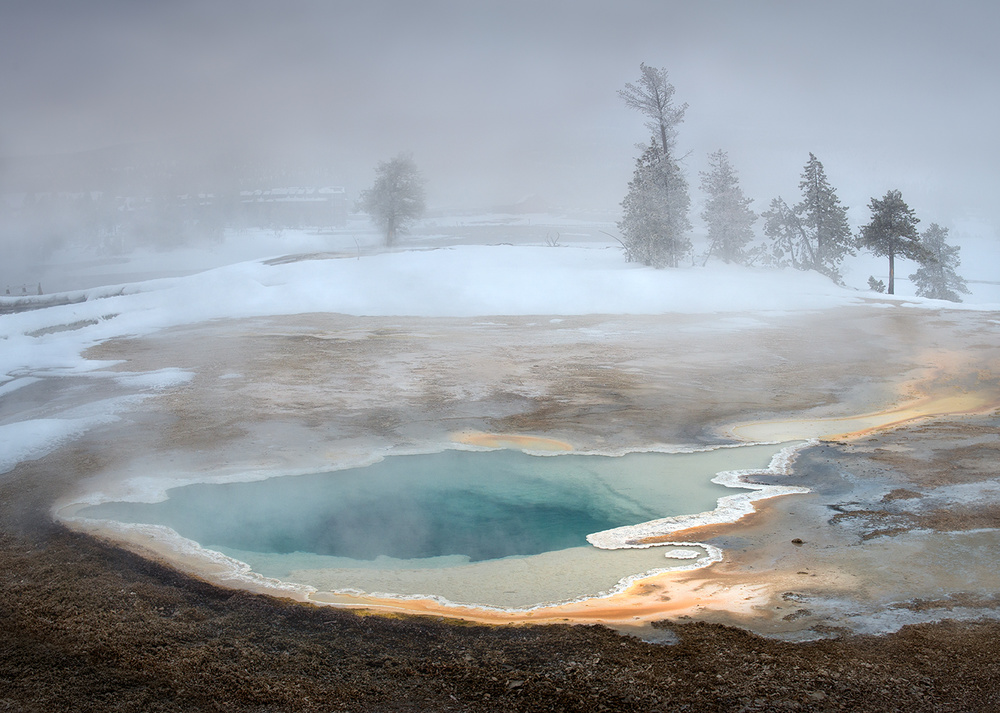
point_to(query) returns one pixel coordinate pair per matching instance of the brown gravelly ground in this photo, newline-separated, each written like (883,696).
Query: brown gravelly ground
(86,627)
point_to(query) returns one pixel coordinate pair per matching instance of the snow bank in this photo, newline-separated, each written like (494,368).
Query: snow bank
(28,440)
(506,280)
(453,282)
(462,281)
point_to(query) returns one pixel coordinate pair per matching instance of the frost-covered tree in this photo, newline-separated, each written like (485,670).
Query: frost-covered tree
(653,96)
(396,198)
(936,277)
(727,211)
(654,213)
(824,219)
(789,244)
(892,232)
(815,234)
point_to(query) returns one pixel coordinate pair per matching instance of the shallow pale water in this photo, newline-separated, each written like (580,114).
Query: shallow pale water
(500,528)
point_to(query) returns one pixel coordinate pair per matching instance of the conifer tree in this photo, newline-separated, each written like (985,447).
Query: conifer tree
(892,232)
(789,245)
(653,96)
(727,211)
(936,277)
(815,234)
(824,219)
(654,213)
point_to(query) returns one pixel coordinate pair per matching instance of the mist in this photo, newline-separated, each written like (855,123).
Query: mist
(497,101)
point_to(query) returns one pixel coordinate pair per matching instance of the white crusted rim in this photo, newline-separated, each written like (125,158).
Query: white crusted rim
(729,509)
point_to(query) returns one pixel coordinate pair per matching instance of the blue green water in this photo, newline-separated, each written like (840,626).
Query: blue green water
(483,505)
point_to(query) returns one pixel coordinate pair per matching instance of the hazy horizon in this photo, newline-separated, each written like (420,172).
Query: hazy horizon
(498,101)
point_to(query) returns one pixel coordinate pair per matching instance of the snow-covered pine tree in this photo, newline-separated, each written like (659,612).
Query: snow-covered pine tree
(936,277)
(824,220)
(892,232)
(789,244)
(815,234)
(654,213)
(875,285)
(653,96)
(727,211)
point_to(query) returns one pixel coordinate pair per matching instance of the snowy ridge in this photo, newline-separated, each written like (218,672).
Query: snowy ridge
(463,281)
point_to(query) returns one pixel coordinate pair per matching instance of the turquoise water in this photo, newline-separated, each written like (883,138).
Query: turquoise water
(480,505)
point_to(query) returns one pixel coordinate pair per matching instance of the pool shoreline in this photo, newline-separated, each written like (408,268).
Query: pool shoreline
(166,545)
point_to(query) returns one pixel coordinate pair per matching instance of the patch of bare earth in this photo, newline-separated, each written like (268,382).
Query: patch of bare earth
(86,627)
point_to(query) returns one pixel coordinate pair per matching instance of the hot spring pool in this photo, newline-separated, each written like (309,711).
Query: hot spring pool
(494,528)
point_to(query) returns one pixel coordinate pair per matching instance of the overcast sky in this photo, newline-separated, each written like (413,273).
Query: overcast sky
(499,100)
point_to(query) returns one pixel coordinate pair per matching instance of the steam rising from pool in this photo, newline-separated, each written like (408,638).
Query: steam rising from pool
(495,528)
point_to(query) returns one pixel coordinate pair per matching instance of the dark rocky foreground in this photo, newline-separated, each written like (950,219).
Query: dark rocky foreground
(89,627)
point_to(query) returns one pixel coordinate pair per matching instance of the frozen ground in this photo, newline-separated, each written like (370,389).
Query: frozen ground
(75,268)
(345,273)
(225,363)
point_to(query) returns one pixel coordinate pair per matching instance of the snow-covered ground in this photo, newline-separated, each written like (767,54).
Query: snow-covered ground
(513,265)
(77,268)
